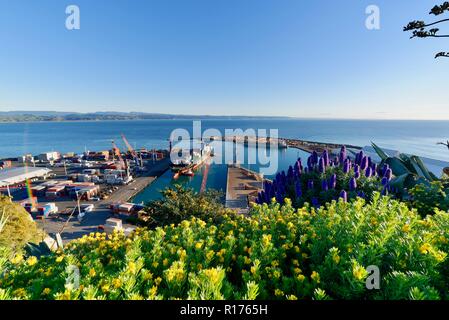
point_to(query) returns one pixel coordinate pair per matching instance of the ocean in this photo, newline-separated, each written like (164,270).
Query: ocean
(415,137)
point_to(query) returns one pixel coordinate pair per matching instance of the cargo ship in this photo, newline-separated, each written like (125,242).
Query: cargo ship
(186,165)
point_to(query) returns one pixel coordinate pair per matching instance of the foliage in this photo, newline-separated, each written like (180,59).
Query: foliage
(427,198)
(409,171)
(420,29)
(18,229)
(277,252)
(322,180)
(180,203)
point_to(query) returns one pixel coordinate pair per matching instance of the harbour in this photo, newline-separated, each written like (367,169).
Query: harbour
(117,183)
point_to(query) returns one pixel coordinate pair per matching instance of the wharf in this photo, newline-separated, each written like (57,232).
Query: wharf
(242,186)
(308,146)
(125,193)
(319,147)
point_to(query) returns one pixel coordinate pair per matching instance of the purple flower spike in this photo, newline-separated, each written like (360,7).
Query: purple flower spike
(343,154)
(389,174)
(322,165)
(356,168)
(346,166)
(326,157)
(369,172)
(352,184)
(357,175)
(315,202)
(344,196)
(324,185)
(384,169)
(314,158)
(384,181)
(364,163)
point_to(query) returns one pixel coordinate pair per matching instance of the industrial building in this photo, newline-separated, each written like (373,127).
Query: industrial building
(12,176)
(49,156)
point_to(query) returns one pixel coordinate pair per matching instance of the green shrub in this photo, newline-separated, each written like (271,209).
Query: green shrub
(428,198)
(178,204)
(19,228)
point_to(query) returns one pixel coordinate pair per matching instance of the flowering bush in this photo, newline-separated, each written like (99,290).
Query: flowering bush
(323,179)
(179,203)
(278,252)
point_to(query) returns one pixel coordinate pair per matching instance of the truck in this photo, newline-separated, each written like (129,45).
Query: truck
(47,209)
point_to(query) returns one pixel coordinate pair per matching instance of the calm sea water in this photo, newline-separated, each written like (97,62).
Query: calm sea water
(415,137)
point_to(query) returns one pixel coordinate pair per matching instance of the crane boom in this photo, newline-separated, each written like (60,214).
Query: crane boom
(132,151)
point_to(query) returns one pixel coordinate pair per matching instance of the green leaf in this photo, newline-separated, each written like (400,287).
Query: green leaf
(401,182)
(421,168)
(398,167)
(379,151)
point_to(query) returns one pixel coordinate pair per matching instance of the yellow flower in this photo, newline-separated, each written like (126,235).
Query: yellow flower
(155,264)
(158,281)
(358,271)
(117,283)
(425,248)
(406,228)
(105,288)
(46,291)
(210,254)
(165,262)
(59,259)
(315,276)
(132,267)
(31,261)
(198,245)
(336,259)
(278,293)
(292,297)
(92,272)
(214,275)
(17,259)
(300,277)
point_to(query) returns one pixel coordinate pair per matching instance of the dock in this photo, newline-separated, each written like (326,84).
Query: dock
(125,193)
(307,146)
(242,187)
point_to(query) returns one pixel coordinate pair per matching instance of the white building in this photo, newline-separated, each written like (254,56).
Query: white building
(13,176)
(49,156)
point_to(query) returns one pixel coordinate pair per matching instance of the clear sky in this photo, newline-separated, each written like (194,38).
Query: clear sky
(300,58)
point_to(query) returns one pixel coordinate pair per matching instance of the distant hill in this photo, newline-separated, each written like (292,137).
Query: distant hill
(27,116)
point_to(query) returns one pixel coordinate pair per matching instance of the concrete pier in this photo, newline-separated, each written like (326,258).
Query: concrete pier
(242,186)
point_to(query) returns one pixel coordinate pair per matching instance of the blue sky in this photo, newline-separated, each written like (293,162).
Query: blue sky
(243,57)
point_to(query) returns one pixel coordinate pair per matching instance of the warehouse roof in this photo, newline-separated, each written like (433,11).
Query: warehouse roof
(20,174)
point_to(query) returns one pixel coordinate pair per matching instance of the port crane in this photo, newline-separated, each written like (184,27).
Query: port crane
(116,153)
(139,162)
